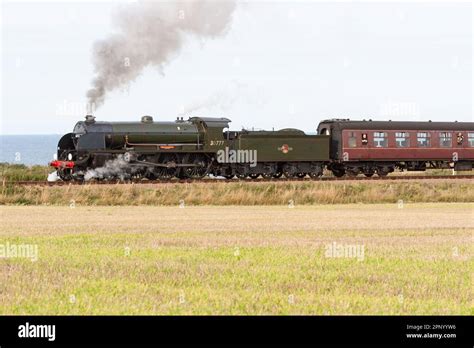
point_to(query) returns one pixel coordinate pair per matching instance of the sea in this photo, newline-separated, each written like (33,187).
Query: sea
(28,149)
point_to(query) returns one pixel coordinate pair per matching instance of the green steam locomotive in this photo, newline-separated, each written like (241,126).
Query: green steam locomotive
(186,149)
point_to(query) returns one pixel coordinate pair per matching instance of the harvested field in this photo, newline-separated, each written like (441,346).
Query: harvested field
(396,259)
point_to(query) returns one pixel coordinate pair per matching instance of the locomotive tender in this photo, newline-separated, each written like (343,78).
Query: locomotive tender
(201,146)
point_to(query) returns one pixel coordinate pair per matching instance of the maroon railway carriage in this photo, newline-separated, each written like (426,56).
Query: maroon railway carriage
(380,147)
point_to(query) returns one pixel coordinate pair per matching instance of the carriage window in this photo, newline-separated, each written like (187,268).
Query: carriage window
(445,139)
(352,140)
(470,139)
(459,138)
(402,139)
(380,139)
(423,139)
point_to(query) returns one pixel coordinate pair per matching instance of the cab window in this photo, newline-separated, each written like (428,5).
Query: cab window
(324,131)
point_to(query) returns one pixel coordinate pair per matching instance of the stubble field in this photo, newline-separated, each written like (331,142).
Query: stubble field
(316,259)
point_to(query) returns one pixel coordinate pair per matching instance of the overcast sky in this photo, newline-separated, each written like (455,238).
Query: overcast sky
(281,64)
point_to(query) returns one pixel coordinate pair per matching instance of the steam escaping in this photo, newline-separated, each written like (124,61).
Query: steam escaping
(151,33)
(53,176)
(116,168)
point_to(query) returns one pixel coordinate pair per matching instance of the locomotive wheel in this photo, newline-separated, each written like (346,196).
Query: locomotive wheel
(289,171)
(316,171)
(65,174)
(164,173)
(241,176)
(338,173)
(229,177)
(315,175)
(369,172)
(301,175)
(277,175)
(149,174)
(383,171)
(267,175)
(254,176)
(200,169)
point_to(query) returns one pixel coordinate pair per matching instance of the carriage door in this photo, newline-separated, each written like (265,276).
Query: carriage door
(459,144)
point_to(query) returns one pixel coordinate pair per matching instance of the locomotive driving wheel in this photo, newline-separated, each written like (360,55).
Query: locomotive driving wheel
(254,175)
(166,173)
(150,174)
(200,166)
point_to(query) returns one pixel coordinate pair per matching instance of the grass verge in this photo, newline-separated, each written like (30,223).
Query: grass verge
(242,193)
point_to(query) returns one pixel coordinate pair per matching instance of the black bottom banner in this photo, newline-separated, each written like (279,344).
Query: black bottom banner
(352,331)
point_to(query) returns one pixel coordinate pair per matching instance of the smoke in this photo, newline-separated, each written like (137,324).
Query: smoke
(116,168)
(152,33)
(225,98)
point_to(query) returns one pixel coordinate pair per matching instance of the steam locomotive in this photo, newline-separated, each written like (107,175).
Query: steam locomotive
(200,146)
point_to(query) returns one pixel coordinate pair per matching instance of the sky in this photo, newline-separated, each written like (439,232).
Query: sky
(281,64)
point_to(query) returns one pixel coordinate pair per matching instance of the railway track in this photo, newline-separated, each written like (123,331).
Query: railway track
(212,181)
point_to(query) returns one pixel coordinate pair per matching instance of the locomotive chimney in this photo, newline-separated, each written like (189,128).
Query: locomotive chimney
(90,119)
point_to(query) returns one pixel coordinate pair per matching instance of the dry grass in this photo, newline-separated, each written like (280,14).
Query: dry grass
(243,193)
(239,260)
